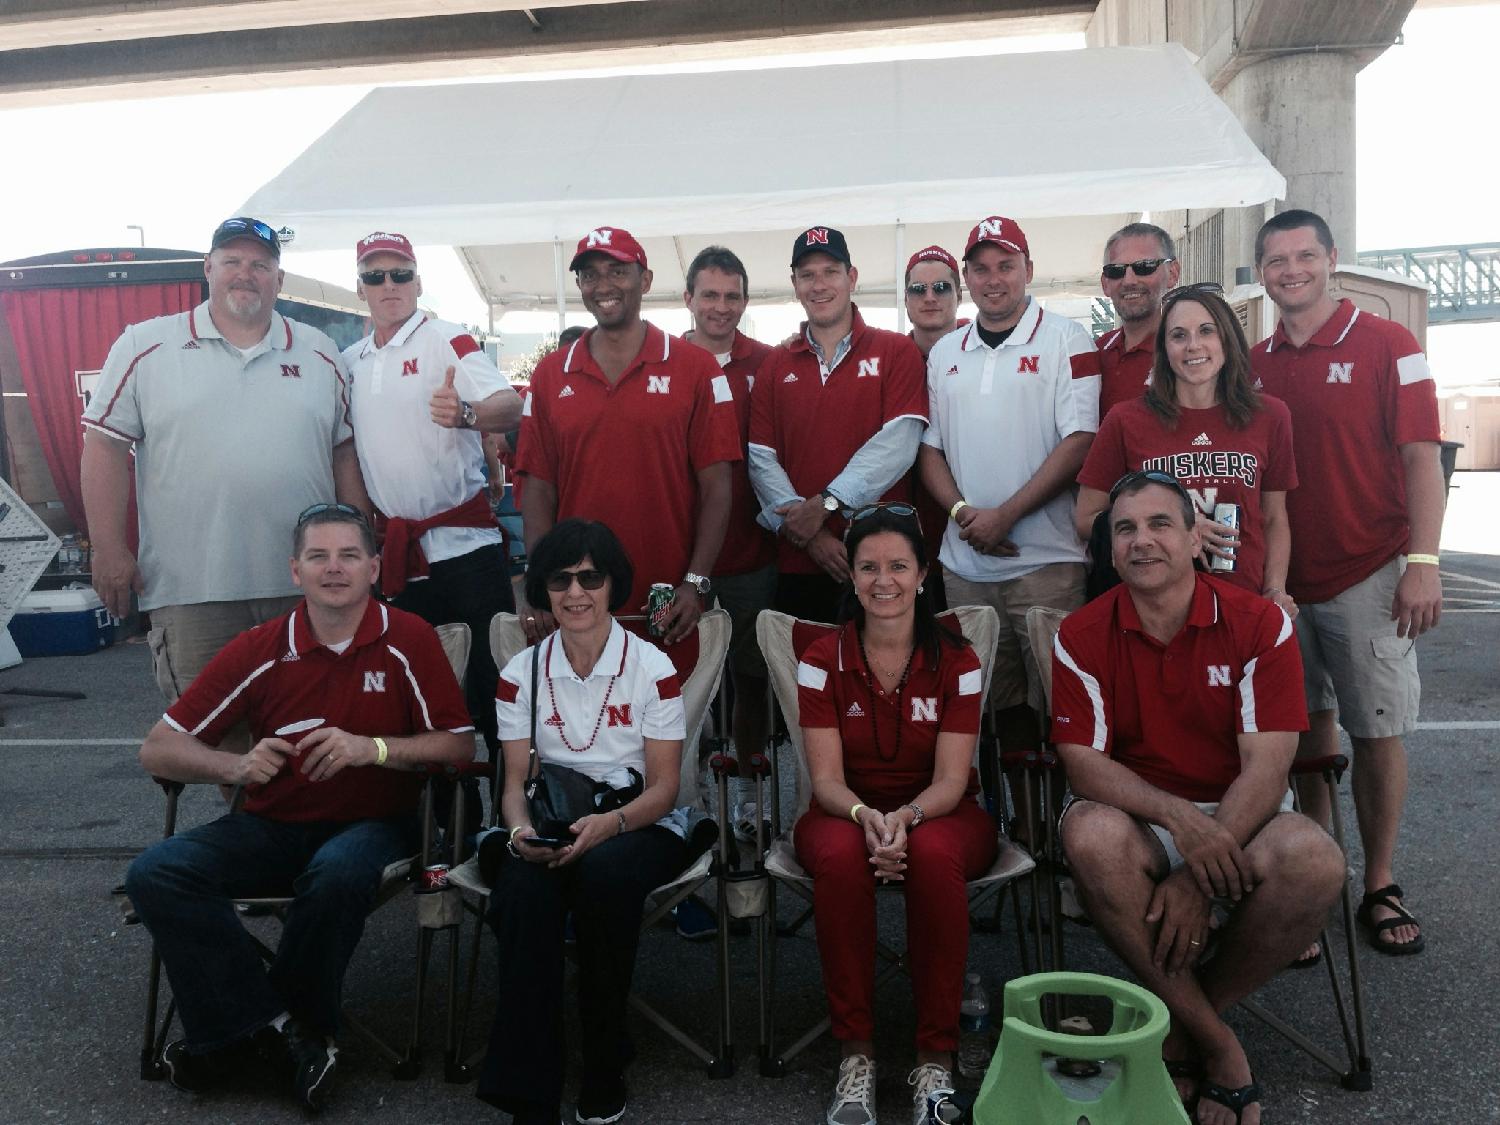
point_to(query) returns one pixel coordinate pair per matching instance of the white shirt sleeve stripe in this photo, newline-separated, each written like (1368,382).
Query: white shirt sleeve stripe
(1413,369)
(722,393)
(810,677)
(230,698)
(1090,685)
(970,682)
(1247,698)
(1286,629)
(415,687)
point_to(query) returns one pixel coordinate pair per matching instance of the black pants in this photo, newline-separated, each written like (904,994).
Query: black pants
(471,588)
(605,890)
(812,597)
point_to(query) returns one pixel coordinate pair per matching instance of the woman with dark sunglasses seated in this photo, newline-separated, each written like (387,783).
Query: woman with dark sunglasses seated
(889,705)
(608,703)
(1203,422)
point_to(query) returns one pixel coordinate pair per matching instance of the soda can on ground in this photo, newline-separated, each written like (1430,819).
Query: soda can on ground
(658,605)
(1229,516)
(434,878)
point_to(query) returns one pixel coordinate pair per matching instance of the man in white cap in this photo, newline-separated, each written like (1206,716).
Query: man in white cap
(424,392)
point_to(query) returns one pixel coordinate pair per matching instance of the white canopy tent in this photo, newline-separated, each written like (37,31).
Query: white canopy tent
(898,155)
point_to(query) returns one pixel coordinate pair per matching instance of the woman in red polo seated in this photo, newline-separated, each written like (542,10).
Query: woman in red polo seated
(889,705)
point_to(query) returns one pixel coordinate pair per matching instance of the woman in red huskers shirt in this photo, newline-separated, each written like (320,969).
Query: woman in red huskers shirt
(1203,421)
(889,704)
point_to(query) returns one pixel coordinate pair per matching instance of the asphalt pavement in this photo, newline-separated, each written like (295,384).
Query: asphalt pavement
(75,807)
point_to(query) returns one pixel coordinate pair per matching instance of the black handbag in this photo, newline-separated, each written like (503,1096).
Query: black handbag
(556,796)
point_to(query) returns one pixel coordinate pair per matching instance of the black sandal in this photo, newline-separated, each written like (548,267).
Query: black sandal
(1236,1100)
(1365,916)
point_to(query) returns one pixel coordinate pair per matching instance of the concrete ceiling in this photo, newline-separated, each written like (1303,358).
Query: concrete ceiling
(84,50)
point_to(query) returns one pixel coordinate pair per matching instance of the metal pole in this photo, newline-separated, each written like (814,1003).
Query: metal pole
(559,265)
(900,295)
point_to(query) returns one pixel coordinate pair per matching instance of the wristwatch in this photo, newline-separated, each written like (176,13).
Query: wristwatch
(470,415)
(697,582)
(831,503)
(918,816)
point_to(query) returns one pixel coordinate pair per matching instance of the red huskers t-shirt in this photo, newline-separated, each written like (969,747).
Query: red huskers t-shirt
(1216,463)
(392,680)
(889,741)
(629,455)
(1358,390)
(815,427)
(1173,713)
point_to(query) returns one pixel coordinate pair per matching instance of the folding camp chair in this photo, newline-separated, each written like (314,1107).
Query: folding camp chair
(405,1061)
(1354,1070)
(702,684)
(782,640)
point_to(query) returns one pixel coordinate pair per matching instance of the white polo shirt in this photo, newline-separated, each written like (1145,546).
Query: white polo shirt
(644,701)
(413,467)
(230,447)
(996,414)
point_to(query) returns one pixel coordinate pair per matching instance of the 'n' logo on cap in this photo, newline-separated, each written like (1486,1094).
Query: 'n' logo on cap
(601,237)
(818,236)
(991,228)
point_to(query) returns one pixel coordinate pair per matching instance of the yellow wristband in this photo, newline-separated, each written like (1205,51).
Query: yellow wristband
(382,751)
(854,813)
(957,504)
(1430,560)
(517,829)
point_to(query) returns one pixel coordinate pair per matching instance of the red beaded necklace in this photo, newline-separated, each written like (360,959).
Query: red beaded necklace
(557,720)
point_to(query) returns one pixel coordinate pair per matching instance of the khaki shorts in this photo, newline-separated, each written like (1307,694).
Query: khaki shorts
(1056,585)
(1353,660)
(744,596)
(1168,845)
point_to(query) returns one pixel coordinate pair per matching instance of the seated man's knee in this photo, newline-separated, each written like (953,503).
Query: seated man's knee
(1094,833)
(1298,852)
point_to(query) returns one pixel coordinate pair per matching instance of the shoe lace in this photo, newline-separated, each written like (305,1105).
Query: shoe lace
(856,1077)
(927,1078)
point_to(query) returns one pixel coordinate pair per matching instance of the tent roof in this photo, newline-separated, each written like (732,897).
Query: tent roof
(1072,143)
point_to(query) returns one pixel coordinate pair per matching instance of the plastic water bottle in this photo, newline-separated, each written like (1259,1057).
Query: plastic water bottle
(974,1046)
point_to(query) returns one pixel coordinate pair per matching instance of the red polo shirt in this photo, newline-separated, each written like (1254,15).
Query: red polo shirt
(392,680)
(1216,463)
(1124,371)
(1358,390)
(889,741)
(1172,713)
(815,427)
(747,545)
(629,455)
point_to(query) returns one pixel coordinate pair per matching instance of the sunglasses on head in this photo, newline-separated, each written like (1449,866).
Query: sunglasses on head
(1189,290)
(377,277)
(561,581)
(1143,268)
(897,508)
(919,288)
(1153,476)
(248,226)
(318,509)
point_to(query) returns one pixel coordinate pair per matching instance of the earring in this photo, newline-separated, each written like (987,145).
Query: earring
(921,589)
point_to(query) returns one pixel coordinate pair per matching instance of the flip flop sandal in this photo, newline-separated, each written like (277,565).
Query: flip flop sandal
(1236,1100)
(1365,916)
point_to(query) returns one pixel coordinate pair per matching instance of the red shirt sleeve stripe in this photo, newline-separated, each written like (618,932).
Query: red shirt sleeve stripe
(464,344)
(1084,364)
(505,691)
(668,688)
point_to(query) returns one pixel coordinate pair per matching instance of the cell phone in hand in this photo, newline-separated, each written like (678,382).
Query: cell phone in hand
(545,841)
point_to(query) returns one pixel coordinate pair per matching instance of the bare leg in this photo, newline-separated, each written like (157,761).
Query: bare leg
(1379,783)
(1320,740)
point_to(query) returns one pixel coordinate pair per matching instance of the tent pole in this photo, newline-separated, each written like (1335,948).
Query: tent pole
(900,295)
(562,275)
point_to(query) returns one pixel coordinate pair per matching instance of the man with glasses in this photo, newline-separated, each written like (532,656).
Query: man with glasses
(1176,706)
(1365,520)
(347,698)
(237,417)
(835,420)
(1140,265)
(424,393)
(635,429)
(1013,402)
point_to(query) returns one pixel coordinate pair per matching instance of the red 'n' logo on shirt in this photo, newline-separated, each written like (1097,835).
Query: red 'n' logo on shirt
(408,367)
(619,716)
(291,371)
(1028,365)
(818,236)
(924,708)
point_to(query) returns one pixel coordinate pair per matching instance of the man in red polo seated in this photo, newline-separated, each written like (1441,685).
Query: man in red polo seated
(1177,702)
(345,698)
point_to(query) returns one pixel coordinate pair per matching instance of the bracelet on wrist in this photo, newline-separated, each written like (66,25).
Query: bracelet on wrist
(854,812)
(624,828)
(1430,560)
(382,751)
(957,504)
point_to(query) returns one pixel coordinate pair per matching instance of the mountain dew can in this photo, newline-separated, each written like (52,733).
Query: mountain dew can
(658,605)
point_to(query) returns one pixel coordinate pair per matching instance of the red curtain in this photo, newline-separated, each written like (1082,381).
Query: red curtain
(62,337)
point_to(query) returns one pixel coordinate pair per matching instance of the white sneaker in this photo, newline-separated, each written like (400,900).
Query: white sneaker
(744,823)
(924,1080)
(854,1096)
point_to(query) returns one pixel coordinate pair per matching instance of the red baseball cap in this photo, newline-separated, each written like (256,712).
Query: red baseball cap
(383,242)
(614,242)
(932,254)
(1004,233)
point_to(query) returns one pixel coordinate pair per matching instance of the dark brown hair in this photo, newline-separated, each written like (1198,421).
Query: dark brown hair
(1235,390)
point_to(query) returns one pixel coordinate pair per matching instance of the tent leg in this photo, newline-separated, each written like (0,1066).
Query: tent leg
(900,275)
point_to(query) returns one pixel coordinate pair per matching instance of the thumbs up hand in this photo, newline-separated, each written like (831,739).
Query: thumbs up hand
(446,408)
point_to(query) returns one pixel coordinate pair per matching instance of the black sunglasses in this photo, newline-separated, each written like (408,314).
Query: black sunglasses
(377,277)
(1153,476)
(248,226)
(919,288)
(319,509)
(1143,268)
(561,581)
(898,508)
(1189,290)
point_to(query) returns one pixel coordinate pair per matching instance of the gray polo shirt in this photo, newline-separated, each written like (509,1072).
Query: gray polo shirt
(229,448)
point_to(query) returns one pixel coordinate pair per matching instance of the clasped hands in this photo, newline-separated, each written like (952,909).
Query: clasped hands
(885,840)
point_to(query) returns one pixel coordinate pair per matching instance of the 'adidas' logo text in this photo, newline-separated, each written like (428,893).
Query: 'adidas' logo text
(855,711)
(566,391)
(1202,439)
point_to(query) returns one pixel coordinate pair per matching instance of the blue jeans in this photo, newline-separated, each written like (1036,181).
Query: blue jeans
(181,888)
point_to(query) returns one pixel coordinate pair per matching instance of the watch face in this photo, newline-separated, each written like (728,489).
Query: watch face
(830,503)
